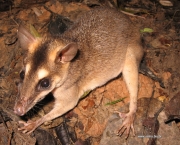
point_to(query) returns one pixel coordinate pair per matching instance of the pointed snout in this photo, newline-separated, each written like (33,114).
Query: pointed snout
(19,109)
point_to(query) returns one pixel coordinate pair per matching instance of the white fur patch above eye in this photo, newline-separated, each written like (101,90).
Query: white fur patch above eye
(27,68)
(42,73)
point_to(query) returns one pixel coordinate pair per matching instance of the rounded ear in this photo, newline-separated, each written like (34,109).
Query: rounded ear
(67,53)
(25,37)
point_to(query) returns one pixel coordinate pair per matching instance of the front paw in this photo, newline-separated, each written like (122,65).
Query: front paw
(127,124)
(28,127)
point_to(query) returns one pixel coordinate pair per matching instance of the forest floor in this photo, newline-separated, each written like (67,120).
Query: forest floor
(94,121)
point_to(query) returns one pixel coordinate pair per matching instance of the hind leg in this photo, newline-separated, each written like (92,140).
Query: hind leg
(130,75)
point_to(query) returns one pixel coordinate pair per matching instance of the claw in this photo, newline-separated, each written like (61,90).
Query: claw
(121,130)
(28,127)
(132,127)
(127,123)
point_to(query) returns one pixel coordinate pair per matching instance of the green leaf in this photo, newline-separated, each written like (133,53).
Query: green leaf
(85,94)
(34,31)
(146,30)
(116,101)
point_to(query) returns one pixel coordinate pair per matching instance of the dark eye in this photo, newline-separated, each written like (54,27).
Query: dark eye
(22,74)
(44,83)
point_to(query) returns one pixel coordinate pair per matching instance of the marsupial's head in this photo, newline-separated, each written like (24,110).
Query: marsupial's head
(44,68)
